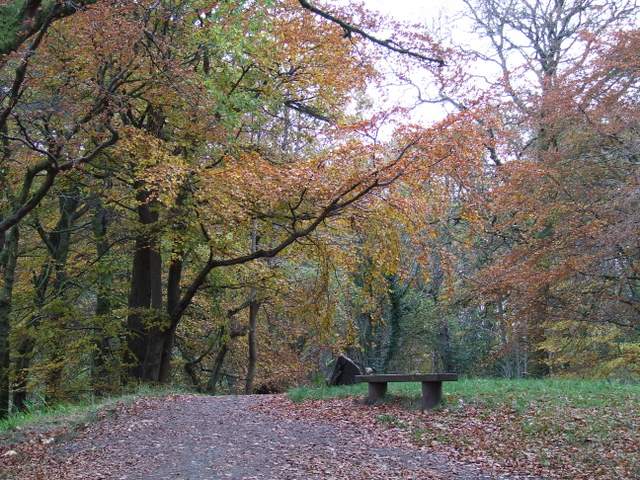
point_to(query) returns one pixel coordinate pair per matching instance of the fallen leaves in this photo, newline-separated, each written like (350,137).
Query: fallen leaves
(270,437)
(551,442)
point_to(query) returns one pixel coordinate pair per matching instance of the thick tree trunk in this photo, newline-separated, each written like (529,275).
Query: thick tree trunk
(254,306)
(8,263)
(145,320)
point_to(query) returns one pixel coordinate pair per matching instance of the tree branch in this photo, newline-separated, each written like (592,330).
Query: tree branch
(352,29)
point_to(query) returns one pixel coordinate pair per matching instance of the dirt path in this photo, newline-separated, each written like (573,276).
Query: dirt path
(249,437)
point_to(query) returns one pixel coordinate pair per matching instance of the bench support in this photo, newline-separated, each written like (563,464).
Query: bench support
(431,385)
(431,394)
(377,390)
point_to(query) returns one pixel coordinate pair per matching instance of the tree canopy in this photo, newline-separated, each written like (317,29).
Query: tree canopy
(209,193)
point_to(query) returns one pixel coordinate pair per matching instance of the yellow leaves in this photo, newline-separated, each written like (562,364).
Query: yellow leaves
(315,57)
(581,348)
(152,163)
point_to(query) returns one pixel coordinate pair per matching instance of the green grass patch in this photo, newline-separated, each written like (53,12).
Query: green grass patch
(520,394)
(300,394)
(44,416)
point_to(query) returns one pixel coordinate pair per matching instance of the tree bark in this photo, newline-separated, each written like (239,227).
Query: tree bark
(146,337)
(212,384)
(21,367)
(173,297)
(444,346)
(100,370)
(254,306)
(8,264)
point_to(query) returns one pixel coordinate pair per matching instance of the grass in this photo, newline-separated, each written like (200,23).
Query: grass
(48,416)
(520,394)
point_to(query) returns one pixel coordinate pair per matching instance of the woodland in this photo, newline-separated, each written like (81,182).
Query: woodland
(226,194)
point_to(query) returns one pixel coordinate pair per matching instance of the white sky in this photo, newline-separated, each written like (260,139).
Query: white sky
(443,14)
(440,14)
(414,10)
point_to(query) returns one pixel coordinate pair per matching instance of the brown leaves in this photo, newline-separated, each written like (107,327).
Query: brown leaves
(270,437)
(232,437)
(540,442)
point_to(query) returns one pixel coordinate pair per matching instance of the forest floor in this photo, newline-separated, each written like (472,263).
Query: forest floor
(238,437)
(585,432)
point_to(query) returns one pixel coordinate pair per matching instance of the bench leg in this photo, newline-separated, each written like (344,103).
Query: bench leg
(377,390)
(431,394)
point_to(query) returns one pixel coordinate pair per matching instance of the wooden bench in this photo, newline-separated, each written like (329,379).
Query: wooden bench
(431,385)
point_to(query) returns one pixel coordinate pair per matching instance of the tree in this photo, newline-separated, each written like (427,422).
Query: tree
(557,192)
(181,129)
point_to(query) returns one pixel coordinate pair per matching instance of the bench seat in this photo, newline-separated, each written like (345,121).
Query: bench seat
(431,385)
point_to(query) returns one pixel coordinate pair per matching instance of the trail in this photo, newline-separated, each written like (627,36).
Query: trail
(237,437)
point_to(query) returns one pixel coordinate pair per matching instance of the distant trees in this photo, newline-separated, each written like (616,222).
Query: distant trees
(567,90)
(542,284)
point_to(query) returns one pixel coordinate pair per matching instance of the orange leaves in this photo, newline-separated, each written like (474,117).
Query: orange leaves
(317,53)
(563,213)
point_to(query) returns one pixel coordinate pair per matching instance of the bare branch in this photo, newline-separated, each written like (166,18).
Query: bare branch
(352,29)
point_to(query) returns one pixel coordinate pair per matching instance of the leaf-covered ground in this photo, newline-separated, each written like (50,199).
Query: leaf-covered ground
(546,428)
(485,430)
(250,437)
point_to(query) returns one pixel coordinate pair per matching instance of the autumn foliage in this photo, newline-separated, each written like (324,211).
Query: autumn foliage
(208,192)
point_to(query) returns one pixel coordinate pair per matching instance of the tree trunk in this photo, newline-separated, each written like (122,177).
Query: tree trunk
(8,263)
(254,306)
(103,302)
(100,371)
(58,242)
(173,297)
(534,360)
(395,315)
(21,367)
(444,346)
(190,370)
(173,285)
(146,337)
(217,368)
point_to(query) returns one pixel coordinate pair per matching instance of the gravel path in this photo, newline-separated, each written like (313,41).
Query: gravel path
(246,437)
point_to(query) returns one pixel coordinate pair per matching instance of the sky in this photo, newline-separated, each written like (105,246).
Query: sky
(413,10)
(419,12)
